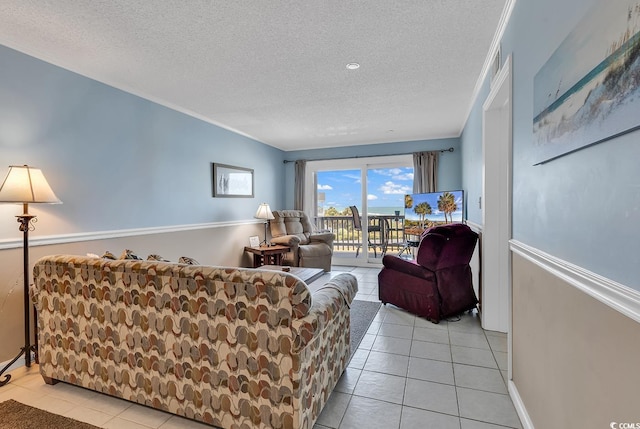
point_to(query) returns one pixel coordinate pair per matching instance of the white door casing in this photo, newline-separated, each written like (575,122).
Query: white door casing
(496,203)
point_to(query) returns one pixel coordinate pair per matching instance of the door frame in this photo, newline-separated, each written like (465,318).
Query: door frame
(497,142)
(355,163)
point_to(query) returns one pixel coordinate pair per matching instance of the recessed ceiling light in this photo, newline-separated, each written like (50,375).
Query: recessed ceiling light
(353,66)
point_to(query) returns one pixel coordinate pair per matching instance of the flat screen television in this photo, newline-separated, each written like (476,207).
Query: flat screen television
(423,211)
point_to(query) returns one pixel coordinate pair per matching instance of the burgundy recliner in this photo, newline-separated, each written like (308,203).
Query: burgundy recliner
(438,283)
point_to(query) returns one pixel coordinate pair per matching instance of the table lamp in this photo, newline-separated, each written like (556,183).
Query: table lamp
(264,212)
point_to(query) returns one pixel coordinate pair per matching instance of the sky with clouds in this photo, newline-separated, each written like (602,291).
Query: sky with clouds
(387,187)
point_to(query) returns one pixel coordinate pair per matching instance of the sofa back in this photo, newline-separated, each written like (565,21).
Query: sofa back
(291,222)
(446,246)
(277,297)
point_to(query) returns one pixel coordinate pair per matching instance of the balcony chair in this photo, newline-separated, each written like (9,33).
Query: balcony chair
(438,283)
(308,248)
(382,228)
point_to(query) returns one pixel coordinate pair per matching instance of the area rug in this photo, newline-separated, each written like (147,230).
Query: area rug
(15,415)
(362,314)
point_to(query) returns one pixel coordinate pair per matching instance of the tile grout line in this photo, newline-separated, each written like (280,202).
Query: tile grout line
(495,360)
(404,390)
(455,383)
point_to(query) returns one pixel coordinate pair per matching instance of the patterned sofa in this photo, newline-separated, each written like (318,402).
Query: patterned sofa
(231,347)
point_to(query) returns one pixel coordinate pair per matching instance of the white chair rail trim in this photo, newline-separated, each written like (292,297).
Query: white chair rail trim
(103,235)
(617,296)
(474,226)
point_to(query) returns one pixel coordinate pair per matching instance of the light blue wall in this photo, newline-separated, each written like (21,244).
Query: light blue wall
(471,157)
(449,170)
(583,207)
(118,161)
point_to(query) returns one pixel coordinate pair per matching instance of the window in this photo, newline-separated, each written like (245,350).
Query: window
(376,186)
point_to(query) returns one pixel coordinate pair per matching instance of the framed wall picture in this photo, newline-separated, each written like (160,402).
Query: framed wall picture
(254,241)
(588,90)
(230,181)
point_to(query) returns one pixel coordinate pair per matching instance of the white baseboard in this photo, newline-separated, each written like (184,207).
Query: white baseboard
(17,364)
(519,405)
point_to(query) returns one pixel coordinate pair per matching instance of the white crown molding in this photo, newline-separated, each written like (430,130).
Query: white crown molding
(617,296)
(104,235)
(488,61)
(519,406)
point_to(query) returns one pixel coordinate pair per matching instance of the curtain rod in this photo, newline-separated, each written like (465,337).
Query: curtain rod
(286,161)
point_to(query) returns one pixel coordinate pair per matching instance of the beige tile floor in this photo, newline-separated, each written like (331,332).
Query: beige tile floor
(407,373)
(410,373)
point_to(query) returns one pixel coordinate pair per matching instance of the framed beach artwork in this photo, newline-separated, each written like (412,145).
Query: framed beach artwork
(589,90)
(230,181)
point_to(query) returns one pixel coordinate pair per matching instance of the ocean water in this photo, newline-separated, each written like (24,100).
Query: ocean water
(389,211)
(597,72)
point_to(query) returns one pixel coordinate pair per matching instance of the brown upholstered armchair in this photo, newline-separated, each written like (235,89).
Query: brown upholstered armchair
(308,248)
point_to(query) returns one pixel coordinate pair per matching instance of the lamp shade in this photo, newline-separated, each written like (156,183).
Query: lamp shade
(25,184)
(264,212)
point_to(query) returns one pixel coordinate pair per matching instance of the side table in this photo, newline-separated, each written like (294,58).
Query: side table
(267,255)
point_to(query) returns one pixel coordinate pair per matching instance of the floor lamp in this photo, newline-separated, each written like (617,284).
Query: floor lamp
(25,185)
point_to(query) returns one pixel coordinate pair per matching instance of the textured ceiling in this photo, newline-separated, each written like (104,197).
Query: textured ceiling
(276,70)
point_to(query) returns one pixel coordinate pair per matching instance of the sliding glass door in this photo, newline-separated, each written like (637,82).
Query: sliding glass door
(388,184)
(360,200)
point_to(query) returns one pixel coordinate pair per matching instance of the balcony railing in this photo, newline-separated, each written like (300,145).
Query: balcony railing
(389,239)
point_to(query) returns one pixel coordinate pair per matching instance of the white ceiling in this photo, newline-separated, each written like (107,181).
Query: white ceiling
(276,70)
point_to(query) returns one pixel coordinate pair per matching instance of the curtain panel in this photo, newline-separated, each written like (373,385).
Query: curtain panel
(298,199)
(425,172)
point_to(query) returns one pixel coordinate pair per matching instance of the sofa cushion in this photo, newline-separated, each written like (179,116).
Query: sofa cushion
(315,249)
(129,254)
(187,260)
(410,267)
(291,222)
(446,246)
(108,255)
